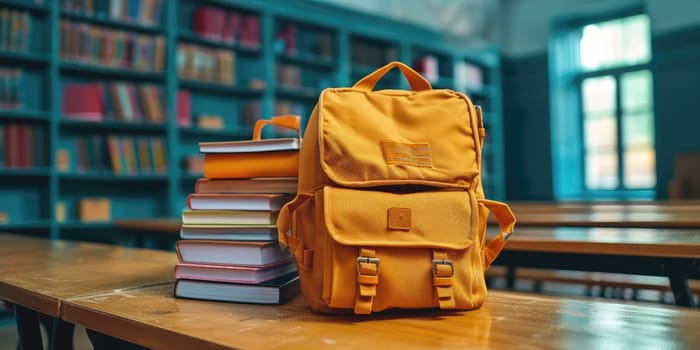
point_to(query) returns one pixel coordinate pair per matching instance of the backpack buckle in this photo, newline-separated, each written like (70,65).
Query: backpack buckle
(366,260)
(437,262)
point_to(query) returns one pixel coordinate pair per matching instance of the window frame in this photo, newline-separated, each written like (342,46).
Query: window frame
(566,99)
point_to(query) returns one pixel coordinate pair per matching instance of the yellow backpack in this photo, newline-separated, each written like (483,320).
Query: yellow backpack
(390,210)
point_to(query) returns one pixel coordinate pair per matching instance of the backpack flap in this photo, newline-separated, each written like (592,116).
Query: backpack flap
(394,137)
(431,219)
(410,237)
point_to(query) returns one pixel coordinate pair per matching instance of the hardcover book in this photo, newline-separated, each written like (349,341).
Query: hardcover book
(276,291)
(229,217)
(252,185)
(233,274)
(229,232)
(245,146)
(246,253)
(251,164)
(237,201)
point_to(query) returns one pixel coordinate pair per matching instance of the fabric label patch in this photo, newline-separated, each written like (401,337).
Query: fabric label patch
(413,154)
(399,219)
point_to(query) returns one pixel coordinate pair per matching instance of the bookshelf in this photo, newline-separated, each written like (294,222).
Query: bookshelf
(209,81)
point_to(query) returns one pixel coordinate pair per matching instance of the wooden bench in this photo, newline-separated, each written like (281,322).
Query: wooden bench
(613,281)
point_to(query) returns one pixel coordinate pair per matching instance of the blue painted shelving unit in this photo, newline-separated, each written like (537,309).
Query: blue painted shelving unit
(335,47)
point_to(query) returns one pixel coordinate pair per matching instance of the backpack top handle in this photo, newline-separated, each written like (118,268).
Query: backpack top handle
(288,121)
(415,80)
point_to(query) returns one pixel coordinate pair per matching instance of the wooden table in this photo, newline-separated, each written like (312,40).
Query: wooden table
(680,214)
(38,274)
(153,318)
(672,253)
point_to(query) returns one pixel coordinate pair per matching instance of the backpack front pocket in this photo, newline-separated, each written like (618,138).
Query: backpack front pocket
(411,238)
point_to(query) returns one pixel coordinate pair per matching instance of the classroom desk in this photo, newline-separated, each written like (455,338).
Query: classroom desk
(650,219)
(37,274)
(153,318)
(672,253)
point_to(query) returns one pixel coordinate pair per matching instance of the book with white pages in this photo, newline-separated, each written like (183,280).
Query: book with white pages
(237,201)
(246,253)
(233,273)
(229,232)
(247,146)
(250,185)
(229,217)
(275,291)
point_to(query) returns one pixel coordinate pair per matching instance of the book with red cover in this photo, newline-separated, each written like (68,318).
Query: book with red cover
(233,273)
(83,101)
(236,201)
(233,22)
(184,109)
(245,253)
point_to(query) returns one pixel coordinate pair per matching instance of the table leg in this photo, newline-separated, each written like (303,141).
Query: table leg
(101,341)
(681,291)
(28,328)
(510,277)
(60,333)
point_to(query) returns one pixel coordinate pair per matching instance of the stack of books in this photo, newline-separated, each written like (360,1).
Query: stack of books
(228,249)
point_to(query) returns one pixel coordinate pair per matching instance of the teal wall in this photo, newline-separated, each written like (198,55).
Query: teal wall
(526,128)
(677,99)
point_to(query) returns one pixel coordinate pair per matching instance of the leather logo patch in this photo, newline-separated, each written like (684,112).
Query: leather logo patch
(414,154)
(399,219)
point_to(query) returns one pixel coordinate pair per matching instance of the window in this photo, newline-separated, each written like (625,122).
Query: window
(604,91)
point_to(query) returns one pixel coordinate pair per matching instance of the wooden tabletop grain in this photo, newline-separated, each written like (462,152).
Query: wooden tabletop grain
(153,318)
(39,273)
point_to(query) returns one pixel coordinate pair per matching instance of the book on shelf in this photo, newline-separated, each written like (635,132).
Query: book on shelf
(243,253)
(249,165)
(86,43)
(233,273)
(119,101)
(229,217)
(123,154)
(22,145)
(199,63)
(229,232)
(144,12)
(184,109)
(276,291)
(83,101)
(250,185)
(237,201)
(16,30)
(12,86)
(245,146)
